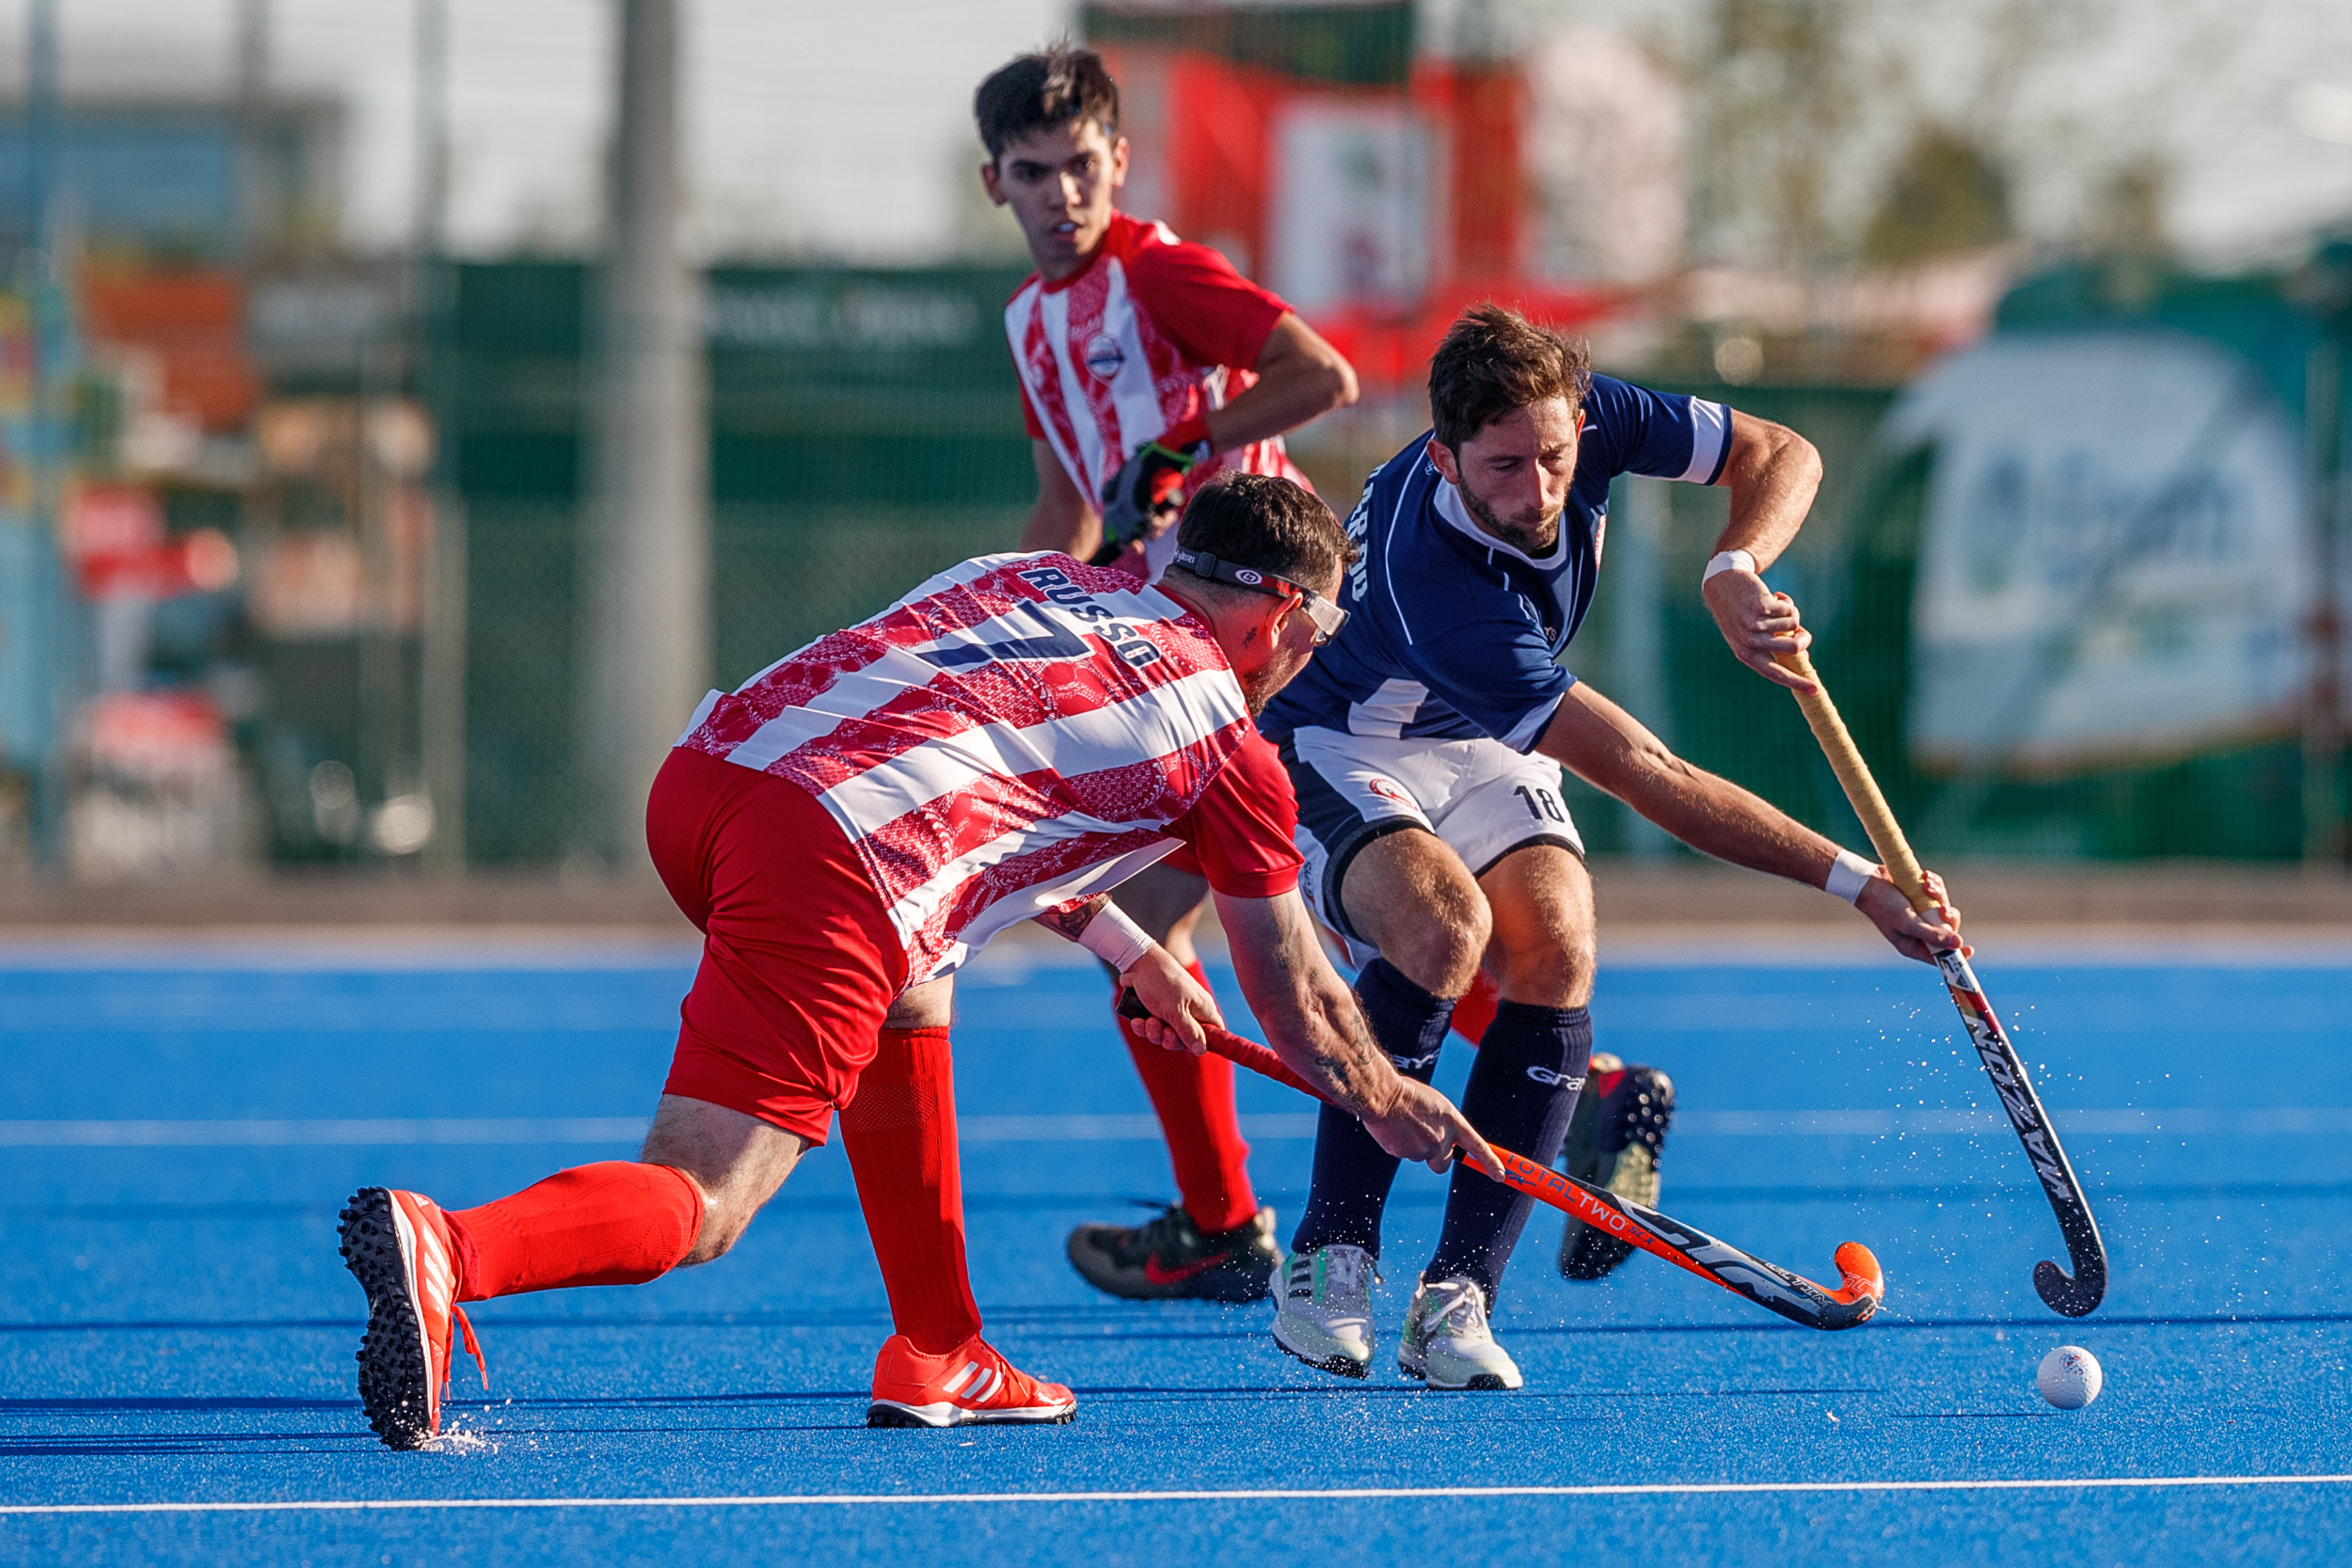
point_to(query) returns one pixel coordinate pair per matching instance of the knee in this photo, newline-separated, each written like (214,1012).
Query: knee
(1550,968)
(724,1224)
(1442,954)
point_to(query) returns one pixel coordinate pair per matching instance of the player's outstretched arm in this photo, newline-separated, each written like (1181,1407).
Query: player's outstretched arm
(1181,1007)
(1314,1023)
(1611,750)
(1062,520)
(1771,473)
(1300,377)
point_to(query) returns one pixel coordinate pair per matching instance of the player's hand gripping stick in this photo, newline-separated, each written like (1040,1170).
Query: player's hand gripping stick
(2074,1296)
(1149,488)
(1768,1284)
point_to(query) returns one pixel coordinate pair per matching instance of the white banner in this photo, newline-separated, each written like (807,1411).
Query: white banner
(2114,564)
(1353,213)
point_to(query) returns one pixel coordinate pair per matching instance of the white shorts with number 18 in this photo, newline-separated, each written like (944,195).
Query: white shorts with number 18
(1481,798)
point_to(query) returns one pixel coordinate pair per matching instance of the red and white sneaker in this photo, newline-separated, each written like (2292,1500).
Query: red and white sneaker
(970,1385)
(396,1245)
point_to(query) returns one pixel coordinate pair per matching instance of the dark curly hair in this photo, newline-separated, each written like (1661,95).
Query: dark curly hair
(1494,361)
(1044,91)
(1266,522)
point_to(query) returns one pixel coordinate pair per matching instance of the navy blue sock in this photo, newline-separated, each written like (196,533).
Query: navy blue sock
(1352,1173)
(1531,1062)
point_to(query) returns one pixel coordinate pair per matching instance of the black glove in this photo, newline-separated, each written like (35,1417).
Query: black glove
(1148,490)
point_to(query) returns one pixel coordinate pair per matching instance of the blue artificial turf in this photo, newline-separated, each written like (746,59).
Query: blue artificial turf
(175,1325)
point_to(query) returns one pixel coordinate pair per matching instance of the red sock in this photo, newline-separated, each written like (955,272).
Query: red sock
(901,1134)
(1193,1097)
(1475,1012)
(613,1222)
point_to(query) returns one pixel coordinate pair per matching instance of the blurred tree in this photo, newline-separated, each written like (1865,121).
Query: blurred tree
(1944,193)
(1831,132)
(1782,86)
(2125,213)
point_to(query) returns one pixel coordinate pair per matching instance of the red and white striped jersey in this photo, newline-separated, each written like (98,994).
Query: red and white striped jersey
(1018,732)
(1153,332)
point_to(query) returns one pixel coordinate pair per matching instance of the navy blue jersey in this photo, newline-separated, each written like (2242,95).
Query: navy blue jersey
(1453,634)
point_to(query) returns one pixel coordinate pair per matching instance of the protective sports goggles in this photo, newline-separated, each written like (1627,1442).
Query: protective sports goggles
(1328,618)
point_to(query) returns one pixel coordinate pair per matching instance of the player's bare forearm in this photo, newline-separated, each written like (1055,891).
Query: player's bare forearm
(1609,749)
(1061,519)
(1312,1020)
(1311,1017)
(1773,474)
(1300,377)
(1051,530)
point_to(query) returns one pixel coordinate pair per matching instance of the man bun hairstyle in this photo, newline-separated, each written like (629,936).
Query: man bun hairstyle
(1494,361)
(1266,523)
(1045,91)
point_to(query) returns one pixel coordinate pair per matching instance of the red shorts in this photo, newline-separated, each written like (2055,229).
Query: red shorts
(800,964)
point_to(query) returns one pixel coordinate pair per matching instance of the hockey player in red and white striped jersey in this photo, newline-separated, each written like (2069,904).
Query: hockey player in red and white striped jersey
(1006,743)
(1147,364)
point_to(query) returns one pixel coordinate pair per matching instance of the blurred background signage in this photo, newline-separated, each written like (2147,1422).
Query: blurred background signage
(2115,565)
(1356,220)
(301,338)
(1375,186)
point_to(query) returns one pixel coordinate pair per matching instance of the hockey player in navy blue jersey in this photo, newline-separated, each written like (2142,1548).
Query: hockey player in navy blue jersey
(1425,743)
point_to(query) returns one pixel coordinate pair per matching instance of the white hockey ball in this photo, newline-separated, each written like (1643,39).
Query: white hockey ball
(2069,1377)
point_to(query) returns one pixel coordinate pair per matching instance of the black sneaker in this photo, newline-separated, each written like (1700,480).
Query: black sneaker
(1168,1258)
(1615,1139)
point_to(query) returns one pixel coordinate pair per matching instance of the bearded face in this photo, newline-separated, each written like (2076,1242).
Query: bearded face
(1514,475)
(1533,531)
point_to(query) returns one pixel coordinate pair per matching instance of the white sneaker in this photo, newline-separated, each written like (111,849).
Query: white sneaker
(1326,1317)
(1447,1343)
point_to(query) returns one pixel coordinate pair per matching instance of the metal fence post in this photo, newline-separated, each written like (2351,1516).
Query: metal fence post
(645,561)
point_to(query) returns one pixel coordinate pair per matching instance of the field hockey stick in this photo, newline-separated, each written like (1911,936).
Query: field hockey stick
(1768,1284)
(2072,1297)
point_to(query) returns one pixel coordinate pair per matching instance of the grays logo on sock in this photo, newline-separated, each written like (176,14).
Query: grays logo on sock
(1557,1080)
(1410,1063)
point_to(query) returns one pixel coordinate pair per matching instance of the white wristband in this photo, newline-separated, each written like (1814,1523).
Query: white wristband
(1848,876)
(1113,937)
(1727,560)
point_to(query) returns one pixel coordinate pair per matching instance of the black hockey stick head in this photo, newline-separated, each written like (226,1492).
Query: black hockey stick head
(2074,1296)
(2078,1294)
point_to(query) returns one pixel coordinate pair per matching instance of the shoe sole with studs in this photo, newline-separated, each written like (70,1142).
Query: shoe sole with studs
(393,1381)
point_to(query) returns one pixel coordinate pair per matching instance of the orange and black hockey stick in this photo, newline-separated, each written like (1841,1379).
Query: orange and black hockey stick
(2081,1294)
(1768,1284)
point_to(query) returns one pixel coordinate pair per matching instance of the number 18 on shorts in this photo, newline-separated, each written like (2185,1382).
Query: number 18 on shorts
(1481,798)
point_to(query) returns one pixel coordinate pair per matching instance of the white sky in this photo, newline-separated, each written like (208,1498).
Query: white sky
(842,129)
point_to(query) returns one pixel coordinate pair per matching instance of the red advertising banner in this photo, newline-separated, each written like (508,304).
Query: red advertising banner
(1379,212)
